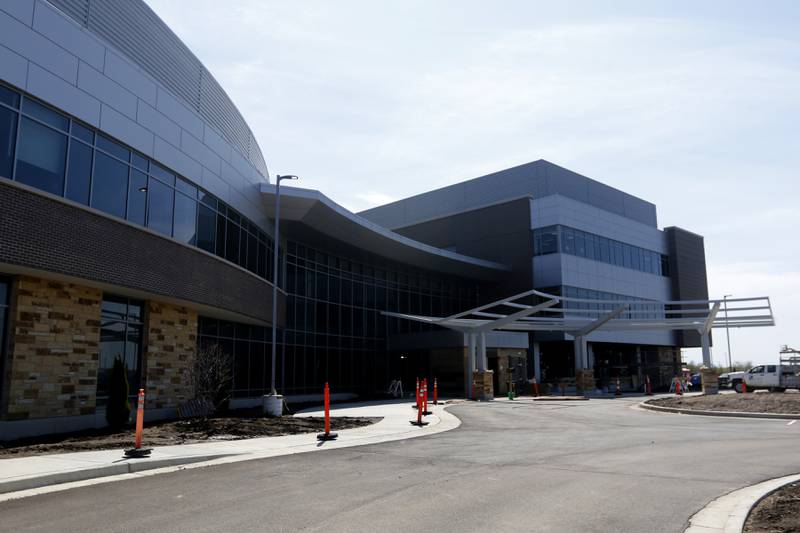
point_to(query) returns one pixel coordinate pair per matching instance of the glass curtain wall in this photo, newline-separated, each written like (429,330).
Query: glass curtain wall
(335,331)
(562,239)
(249,349)
(51,151)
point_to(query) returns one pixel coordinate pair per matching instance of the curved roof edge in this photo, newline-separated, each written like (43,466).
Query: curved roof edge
(322,214)
(136,31)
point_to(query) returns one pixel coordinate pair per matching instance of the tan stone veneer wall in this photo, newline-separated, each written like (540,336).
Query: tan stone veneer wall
(171,345)
(54,349)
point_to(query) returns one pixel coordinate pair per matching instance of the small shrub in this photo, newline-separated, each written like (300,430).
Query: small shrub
(118,409)
(211,376)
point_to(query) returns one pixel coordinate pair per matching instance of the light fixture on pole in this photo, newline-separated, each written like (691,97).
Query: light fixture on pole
(727,333)
(276,403)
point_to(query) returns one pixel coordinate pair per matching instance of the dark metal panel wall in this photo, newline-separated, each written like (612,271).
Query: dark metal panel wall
(687,271)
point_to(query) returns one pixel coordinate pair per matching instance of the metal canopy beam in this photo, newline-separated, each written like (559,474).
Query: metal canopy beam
(599,322)
(499,323)
(577,320)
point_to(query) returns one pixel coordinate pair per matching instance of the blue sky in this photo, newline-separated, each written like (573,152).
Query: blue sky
(694,106)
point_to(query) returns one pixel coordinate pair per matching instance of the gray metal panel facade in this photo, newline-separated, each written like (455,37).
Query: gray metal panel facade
(538,179)
(114,65)
(135,30)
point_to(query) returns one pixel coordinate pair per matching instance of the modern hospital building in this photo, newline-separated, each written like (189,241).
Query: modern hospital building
(136,221)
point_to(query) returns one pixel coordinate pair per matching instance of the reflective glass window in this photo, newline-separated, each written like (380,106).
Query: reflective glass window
(636,258)
(79,172)
(549,241)
(41,157)
(627,256)
(206,228)
(618,254)
(580,243)
(232,242)
(8,136)
(82,132)
(568,240)
(137,197)
(120,338)
(185,219)
(113,147)
(209,199)
(163,174)
(222,224)
(110,185)
(9,97)
(160,199)
(186,188)
(140,162)
(45,114)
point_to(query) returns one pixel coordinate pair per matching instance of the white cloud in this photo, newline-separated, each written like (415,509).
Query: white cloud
(693,111)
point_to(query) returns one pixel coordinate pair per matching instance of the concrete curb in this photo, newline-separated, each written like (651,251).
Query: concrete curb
(130,466)
(734,414)
(728,513)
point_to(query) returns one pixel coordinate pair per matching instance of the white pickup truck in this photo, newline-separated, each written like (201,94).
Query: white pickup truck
(776,378)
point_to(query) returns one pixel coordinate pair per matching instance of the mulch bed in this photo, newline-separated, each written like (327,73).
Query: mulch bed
(762,402)
(188,431)
(777,513)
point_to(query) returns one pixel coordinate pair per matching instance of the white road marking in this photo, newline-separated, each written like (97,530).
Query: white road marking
(792,422)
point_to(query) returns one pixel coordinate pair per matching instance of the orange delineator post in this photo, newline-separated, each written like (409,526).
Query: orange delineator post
(435,392)
(648,387)
(137,450)
(416,394)
(425,397)
(418,421)
(618,390)
(535,387)
(139,420)
(327,402)
(327,409)
(744,387)
(678,390)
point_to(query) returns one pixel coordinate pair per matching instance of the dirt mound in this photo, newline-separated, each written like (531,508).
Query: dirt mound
(778,402)
(187,431)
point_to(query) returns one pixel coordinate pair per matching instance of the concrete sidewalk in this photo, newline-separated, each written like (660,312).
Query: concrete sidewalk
(18,476)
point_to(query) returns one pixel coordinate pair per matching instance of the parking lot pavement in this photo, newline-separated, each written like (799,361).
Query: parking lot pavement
(601,465)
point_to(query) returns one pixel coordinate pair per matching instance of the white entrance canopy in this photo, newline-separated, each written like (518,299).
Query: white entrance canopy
(579,317)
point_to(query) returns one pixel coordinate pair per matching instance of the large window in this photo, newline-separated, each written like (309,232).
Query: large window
(249,349)
(62,156)
(41,156)
(120,338)
(555,239)
(335,330)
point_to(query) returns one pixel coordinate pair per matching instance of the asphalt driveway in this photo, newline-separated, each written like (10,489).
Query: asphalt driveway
(511,466)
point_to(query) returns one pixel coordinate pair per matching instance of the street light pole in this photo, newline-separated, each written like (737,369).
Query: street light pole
(278,179)
(727,332)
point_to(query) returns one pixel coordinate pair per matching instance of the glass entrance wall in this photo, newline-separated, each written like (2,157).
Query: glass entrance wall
(335,330)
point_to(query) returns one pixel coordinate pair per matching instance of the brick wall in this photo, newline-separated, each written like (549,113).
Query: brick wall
(49,234)
(54,349)
(171,347)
